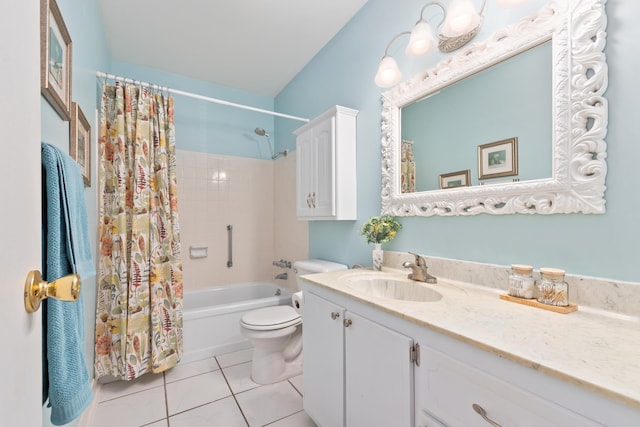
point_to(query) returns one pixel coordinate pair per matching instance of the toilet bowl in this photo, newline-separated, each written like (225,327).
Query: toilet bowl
(276,335)
(276,332)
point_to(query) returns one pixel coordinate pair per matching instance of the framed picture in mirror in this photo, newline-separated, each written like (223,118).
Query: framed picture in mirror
(55,59)
(455,179)
(498,159)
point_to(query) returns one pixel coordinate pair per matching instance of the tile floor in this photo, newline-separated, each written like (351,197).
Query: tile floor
(210,392)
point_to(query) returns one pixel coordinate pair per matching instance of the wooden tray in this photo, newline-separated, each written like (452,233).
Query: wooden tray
(533,303)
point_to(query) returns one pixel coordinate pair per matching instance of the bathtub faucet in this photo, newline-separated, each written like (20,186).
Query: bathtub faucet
(282,276)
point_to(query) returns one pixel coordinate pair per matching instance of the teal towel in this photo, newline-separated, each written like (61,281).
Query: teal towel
(67,250)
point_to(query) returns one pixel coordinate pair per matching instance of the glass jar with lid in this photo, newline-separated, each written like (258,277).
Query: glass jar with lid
(552,288)
(521,283)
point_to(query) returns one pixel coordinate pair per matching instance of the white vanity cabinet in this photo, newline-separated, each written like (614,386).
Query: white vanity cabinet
(326,166)
(360,373)
(356,372)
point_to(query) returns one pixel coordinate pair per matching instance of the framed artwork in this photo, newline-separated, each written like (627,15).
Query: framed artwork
(498,159)
(80,142)
(55,59)
(455,179)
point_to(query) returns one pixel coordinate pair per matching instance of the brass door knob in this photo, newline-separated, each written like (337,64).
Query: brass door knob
(66,288)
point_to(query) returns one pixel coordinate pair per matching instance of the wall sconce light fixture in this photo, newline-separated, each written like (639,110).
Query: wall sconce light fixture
(459,24)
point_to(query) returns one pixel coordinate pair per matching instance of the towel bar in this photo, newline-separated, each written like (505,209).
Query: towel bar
(66,288)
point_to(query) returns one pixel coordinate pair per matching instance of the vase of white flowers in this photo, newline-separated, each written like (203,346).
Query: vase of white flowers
(379,230)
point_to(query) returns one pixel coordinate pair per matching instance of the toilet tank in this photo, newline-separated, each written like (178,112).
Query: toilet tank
(310,266)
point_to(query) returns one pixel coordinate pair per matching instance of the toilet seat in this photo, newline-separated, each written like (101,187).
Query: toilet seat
(271,318)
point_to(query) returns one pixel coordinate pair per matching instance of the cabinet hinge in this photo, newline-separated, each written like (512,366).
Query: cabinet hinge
(414,354)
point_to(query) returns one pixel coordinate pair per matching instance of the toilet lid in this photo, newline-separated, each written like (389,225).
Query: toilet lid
(269,318)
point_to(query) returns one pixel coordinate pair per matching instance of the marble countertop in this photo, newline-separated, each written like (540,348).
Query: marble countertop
(593,349)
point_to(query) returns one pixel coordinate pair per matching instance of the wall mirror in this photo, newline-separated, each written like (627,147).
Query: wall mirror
(532,142)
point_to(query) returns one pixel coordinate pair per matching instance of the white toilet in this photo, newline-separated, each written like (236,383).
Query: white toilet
(276,332)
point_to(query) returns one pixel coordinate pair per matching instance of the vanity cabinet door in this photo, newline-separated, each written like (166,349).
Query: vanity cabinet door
(378,375)
(447,389)
(323,366)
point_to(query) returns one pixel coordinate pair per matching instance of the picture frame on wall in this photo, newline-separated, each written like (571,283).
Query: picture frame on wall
(80,142)
(498,159)
(455,179)
(55,59)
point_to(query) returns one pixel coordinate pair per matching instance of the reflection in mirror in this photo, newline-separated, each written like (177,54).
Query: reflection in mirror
(557,123)
(447,128)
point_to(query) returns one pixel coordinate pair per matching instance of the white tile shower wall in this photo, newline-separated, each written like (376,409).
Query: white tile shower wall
(292,235)
(213,192)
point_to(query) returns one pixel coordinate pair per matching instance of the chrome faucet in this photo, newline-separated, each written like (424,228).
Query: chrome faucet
(282,276)
(419,270)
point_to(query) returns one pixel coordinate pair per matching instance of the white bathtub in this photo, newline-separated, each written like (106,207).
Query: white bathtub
(212,316)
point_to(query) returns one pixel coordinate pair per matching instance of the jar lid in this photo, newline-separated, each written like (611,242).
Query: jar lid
(521,268)
(552,273)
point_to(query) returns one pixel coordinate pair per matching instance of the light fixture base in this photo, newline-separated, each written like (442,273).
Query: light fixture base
(449,44)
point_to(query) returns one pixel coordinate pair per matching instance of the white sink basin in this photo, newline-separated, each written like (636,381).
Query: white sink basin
(389,287)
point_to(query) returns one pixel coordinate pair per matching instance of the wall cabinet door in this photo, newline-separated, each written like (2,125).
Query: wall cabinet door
(323,366)
(378,375)
(325,190)
(305,174)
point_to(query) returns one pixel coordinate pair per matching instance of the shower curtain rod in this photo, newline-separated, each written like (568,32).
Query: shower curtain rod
(196,96)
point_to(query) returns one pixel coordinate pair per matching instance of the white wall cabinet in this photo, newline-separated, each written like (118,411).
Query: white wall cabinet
(326,166)
(357,373)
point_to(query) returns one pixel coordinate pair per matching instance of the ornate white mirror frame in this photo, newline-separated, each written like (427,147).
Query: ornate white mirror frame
(577,185)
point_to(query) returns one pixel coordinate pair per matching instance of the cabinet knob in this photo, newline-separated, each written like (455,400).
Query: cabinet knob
(347,323)
(334,315)
(480,410)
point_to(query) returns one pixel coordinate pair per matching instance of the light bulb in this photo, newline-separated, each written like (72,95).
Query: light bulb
(461,18)
(388,72)
(421,40)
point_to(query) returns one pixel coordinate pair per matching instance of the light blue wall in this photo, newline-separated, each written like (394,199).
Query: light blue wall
(82,19)
(596,245)
(208,127)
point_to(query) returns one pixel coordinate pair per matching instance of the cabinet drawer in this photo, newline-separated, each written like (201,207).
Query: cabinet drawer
(446,389)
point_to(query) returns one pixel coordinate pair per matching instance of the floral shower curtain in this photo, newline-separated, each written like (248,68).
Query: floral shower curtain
(139,304)
(408,168)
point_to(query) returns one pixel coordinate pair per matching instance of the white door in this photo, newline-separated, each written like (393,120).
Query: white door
(20,333)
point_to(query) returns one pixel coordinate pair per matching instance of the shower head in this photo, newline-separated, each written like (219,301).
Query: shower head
(261,132)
